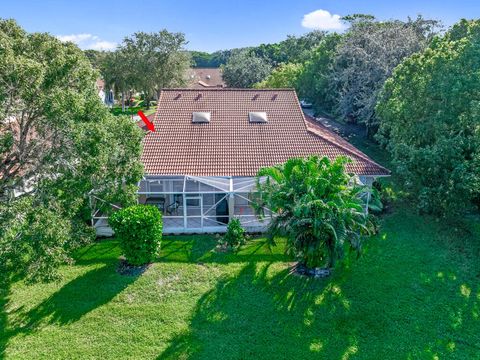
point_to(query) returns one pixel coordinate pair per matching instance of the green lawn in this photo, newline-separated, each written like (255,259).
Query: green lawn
(133,110)
(413,295)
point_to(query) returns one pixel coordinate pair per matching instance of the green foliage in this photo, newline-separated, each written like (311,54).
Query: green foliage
(284,76)
(235,235)
(430,121)
(315,82)
(147,62)
(366,57)
(374,199)
(96,57)
(139,231)
(316,209)
(291,50)
(201,59)
(245,69)
(59,145)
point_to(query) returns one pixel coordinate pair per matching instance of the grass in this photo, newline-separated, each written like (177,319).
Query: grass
(133,110)
(413,295)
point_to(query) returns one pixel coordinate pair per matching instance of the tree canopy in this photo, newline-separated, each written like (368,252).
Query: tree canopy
(429,111)
(366,57)
(342,74)
(245,69)
(147,62)
(284,76)
(58,144)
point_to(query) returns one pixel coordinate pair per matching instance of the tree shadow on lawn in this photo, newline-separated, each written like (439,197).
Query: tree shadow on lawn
(201,249)
(414,294)
(75,299)
(256,315)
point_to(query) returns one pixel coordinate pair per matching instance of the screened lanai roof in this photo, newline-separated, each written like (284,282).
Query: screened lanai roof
(231,145)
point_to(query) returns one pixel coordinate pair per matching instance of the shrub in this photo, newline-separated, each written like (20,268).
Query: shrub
(235,235)
(139,231)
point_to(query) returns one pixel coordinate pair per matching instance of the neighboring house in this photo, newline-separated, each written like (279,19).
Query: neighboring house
(208,145)
(105,96)
(100,84)
(201,78)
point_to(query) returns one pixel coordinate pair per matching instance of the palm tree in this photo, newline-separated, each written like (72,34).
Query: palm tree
(317,207)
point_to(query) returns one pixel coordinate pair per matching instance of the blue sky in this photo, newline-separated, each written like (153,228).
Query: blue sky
(211,25)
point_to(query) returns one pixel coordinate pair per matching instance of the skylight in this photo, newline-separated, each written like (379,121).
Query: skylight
(201,117)
(257,117)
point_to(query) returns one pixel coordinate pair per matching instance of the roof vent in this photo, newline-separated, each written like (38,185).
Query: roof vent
(200,117)
(257,117)
(255,97)
(198,97)
(209,77)
(274,97)
(177,97)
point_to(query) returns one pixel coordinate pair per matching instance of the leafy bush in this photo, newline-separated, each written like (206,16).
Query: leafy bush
(235,235)
(139,230)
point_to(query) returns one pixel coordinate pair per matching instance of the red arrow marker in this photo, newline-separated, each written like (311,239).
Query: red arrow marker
(146,121)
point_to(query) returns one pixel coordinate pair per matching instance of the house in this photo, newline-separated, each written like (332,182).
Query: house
(100,85)
(201,78)
(208,145)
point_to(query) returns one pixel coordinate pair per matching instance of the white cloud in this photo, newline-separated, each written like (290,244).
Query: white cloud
(88,41)
(322,20)
(103,45)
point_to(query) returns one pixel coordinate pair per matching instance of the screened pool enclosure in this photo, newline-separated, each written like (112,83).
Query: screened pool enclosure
(194,204)
(191,204)
(201,204)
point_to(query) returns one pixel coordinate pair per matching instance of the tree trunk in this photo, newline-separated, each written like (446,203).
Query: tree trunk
(146,102)
(123,101)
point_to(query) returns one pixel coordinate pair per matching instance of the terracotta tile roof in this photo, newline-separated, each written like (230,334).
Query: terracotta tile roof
(232,146)
(100,84)
(142,125)
(201,78)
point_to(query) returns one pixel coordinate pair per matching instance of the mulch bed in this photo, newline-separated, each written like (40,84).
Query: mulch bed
(302,270)
(124,268)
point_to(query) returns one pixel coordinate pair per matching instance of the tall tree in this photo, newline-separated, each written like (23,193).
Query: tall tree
(58,145)
(245,69)
(366,57)
(156,60)
(316,81)
(429,112)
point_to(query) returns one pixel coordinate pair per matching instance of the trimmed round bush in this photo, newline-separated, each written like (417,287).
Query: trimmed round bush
(139,231)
